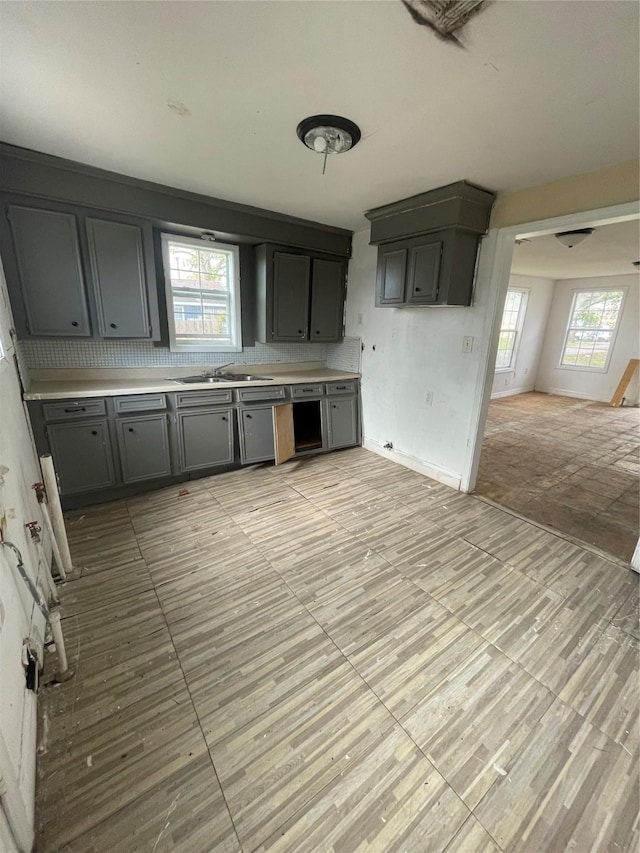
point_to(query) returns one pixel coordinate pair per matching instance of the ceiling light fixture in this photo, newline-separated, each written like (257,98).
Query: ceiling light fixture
(326,134)
(573,238)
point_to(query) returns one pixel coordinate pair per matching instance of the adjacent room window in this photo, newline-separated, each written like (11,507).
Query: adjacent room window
(510,328)
(592,325)
(203,296)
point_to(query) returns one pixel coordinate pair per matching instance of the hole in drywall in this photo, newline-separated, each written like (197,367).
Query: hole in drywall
(445,17)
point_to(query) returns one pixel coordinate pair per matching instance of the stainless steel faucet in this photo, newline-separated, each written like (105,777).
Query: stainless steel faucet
(217,371)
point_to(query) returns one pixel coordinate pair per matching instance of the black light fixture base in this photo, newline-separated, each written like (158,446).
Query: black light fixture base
(337,122)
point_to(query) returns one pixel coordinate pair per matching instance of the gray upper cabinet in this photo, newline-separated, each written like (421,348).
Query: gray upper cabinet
(205,438)
(47,253)
(392,271)
(428,244)
(72,273)
(119,278)
(327,300)
(291,278)
(437,269)
(82,455)
(299,296)
(144,447)
(424,271)
(409,272)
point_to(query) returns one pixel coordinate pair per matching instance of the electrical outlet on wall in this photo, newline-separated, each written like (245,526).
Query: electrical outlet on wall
(467,343)
(429,398)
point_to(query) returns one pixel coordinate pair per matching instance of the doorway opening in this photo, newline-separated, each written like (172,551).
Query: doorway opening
(554,449)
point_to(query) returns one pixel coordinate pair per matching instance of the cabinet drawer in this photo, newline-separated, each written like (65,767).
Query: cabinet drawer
(341,388)
(202,398)
(72,409)
(263,392)
(314,389)
(140,403)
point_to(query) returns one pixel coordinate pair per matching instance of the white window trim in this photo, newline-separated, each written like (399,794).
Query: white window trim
(235,316)
(580,368)
(524,304)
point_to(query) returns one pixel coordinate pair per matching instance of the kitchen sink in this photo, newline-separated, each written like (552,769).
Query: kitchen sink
(188,380)
(246,377)
(236,377)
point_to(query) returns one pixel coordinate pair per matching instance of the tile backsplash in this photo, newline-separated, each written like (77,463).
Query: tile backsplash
(105,354)
(345,355)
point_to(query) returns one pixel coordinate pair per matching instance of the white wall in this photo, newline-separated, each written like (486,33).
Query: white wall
(522,376)
(418,351)
(587,384)
(18,618)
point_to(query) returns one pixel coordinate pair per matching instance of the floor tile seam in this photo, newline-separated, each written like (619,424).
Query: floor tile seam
(100,605)
(572,540)
(195,712)
(395,722)
(523,669)
(517,755)
(476,818)
(362,678)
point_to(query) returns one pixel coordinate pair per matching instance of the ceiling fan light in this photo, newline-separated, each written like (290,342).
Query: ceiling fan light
(573,238)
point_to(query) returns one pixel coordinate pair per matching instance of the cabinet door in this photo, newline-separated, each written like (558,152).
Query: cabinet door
(50,270)
(291,280)
(205,438)
(392,270)
(424,272)
(117,266)
(343,422)
(256,434)
(82,455)
(144,448)
(284,433)
(327,300)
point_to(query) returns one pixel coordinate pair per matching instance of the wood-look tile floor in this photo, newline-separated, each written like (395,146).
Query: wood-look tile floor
(568,464)
(338,655)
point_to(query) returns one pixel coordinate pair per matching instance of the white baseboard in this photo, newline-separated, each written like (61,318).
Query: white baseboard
(414,464)
(511,392)
(562,392)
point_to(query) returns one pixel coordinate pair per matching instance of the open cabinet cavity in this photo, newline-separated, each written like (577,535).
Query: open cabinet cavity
(297,428)
(307,425)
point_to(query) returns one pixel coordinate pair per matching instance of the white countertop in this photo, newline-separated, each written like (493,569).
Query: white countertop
(70,388)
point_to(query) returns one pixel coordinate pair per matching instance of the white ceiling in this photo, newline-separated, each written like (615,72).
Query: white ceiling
(610,250)
(206,96)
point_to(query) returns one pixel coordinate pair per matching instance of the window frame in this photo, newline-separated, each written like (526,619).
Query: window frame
(524,304)
(235,318)
(614,332)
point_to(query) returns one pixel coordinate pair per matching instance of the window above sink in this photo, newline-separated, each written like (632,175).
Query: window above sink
(202,293)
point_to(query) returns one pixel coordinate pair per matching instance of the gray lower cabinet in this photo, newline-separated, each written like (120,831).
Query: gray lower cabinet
(255,426)
(82,455)
(144,448)
(47,253)
(205,438)
(342,421)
